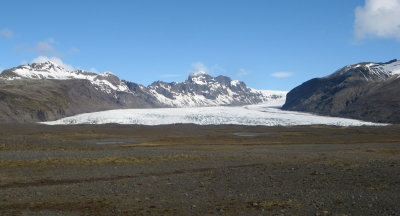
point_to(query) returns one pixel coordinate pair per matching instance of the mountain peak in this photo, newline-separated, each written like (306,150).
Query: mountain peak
(47,69)
(108,74)
(198,73)
(46,62)
(370,70)
(200,89)
(47,65)
(367,91)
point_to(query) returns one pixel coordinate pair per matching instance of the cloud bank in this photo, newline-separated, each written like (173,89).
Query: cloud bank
(378,19)
(282,74)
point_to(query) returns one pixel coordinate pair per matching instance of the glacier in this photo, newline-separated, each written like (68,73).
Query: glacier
(267,114)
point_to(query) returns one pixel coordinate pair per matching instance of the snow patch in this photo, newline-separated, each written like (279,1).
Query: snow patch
(379,70)
(235,82)
(390,69)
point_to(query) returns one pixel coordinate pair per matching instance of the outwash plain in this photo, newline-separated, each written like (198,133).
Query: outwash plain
(199,170)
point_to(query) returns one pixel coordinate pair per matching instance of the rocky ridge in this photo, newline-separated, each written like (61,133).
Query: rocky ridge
(367,91)
(47,91)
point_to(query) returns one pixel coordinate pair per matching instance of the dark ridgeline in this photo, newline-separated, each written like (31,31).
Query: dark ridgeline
(366,91)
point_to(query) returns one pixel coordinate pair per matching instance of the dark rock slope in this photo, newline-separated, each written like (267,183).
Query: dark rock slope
(366,91)
(28,100)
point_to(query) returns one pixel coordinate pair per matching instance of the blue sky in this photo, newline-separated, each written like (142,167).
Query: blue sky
(269,44)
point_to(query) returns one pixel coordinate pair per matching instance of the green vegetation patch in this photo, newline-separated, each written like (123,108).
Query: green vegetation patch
(94,161)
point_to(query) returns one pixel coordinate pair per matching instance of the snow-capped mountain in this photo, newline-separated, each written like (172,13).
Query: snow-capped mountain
(367,91)
(199,89)
(107,82)
(371,71)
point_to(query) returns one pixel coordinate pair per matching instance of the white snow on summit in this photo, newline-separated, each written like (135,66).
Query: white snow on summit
(199,100)
(391,69)
(199,90)
(380,70)
(198,77)
(51,70)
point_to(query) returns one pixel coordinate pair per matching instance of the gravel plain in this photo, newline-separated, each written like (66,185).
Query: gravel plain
(199,170)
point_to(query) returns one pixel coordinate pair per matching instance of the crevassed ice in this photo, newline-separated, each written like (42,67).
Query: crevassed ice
(245,115)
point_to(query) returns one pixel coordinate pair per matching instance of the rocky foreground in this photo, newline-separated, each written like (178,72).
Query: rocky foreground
(199,170)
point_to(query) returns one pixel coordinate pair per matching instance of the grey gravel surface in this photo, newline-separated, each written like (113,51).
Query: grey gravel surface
(223,179)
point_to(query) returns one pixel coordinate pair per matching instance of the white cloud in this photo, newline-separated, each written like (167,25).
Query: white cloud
(58,61)
(46,48)
(216,70)
(282,74)
(94,70)
(41,48)
(73,50)
(7,33)
(199,68)
(378,19)
(242,72)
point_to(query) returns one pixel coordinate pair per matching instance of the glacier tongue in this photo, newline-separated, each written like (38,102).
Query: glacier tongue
(244,115)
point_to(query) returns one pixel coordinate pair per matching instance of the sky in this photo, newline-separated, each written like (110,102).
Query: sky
(268,44)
